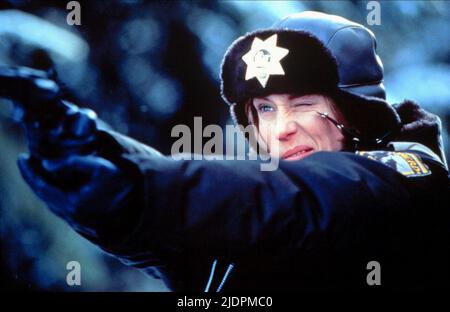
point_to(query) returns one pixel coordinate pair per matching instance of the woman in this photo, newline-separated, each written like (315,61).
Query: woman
(345,196)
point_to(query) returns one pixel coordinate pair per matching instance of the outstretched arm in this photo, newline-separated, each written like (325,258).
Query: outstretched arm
(153,211)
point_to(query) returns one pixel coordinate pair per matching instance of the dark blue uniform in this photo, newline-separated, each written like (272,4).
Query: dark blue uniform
(310,224)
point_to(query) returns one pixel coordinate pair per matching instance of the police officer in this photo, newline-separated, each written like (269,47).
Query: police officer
(357,182)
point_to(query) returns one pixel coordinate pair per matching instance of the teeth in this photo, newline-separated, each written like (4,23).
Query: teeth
(298,153)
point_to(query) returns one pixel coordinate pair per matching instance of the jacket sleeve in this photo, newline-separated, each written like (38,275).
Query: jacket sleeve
(189,209)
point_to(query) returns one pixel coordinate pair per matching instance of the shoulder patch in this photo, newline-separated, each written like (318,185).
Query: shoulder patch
(408,164)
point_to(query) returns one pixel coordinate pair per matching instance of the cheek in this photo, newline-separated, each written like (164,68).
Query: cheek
(329,137)
(267,134)
(264,129)
(309,124)
(324,134)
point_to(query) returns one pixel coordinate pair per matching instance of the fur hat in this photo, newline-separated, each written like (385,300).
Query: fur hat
(281,60)
(307,67)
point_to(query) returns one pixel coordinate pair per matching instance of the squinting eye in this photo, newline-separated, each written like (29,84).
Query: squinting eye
(264,108)
(302,104)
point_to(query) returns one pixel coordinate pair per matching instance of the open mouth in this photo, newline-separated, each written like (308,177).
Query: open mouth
(297,152)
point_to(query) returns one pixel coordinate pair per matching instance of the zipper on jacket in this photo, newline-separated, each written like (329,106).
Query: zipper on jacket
(224,278)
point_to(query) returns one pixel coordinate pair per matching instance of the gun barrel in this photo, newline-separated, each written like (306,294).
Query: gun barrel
(27,86)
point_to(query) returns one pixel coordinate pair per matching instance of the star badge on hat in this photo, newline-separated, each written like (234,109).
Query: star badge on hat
(263,59)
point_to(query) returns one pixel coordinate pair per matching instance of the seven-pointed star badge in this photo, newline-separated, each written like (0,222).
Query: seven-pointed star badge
(263,59)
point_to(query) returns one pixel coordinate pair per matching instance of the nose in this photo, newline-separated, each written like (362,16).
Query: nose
(285,130)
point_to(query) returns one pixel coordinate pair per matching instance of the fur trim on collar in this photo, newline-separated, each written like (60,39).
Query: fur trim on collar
(419,125)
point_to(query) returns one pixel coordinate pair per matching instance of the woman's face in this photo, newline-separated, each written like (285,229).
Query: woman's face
(291,127)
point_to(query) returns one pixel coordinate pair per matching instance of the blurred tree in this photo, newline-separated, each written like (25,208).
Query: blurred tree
(145,67)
